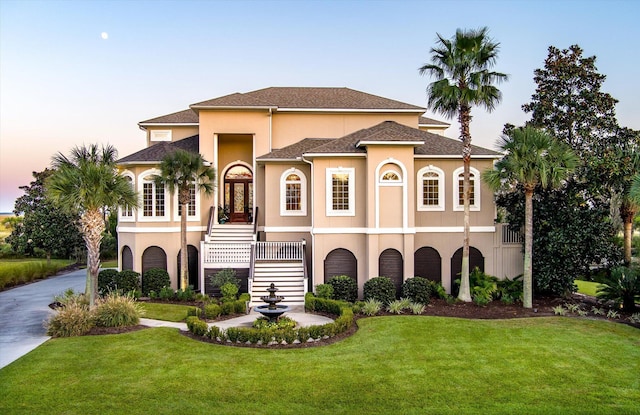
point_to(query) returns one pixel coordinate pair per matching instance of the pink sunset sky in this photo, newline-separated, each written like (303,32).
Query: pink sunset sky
(81,72)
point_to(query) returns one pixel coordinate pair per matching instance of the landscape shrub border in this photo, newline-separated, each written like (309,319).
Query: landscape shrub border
(270,336)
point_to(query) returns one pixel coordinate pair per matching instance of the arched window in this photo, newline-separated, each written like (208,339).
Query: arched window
(126,212)
(154,197)
(474,182)
(293,193)
(390,178)
(430,189)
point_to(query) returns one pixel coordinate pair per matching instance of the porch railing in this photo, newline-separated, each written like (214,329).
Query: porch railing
(227,253)
(279,251)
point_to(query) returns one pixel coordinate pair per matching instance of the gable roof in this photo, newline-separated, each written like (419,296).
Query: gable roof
(389,132)
(181,117)
(307,98)
(155,153)
(430,121)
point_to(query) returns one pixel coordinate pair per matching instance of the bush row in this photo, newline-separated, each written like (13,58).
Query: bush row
(287,335)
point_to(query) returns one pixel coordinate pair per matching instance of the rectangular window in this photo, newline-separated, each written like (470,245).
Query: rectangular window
(147,199)
(293,196)
(159,200)
(472,193)
(191,207)
(340,192)
(430,189)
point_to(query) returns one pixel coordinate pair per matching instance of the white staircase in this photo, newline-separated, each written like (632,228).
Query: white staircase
(287,276)
(230,233)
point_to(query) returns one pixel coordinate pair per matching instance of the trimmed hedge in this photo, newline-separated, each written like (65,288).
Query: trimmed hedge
(155,279)
(381,289)
(270,336)
(345,288)
(110,280)
(417,289)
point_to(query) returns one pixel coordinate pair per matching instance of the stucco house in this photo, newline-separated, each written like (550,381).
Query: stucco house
(312,183)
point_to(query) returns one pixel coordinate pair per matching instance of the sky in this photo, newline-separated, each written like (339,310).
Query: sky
(83,72)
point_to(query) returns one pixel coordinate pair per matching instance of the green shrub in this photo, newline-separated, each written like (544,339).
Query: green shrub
(396,307)
(416,308)
(303,334)
(323,305)
(186,295)
(509,291)
(166,293)
(155,279)
(371,307)
(107,281)
(622,288)
(345,288)
(116,310)
(437,290)
(244,297)
(215,333)
(212,311)
(128,281)
(229,291)
(196,326)
(282,323)
(227,275)
(74,319)
(194,311)
(417,289)
(381,289)
(324,291)
(228,308)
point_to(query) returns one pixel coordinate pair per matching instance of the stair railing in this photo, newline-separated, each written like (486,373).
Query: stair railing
(255,224)
(304,264)
(210,222)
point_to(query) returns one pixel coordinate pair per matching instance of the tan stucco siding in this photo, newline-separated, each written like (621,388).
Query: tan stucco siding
(274,194)
(177,132)
(289,128)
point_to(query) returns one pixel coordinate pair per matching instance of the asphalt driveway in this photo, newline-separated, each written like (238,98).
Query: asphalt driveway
(24,309)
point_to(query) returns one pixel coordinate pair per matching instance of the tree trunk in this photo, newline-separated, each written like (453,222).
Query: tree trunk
(92,225)
(627,213)
(527,288)
(184,263)
(465,119)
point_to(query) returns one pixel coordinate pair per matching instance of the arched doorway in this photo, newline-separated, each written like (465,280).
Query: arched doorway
(127,258)
(192,260)
(238,193)
(428,264)
(475,260)
(390,265)
(154,257)
(340,261)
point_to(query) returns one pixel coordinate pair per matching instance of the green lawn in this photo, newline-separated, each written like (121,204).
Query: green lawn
(587,287)
(167,312)
(392,365)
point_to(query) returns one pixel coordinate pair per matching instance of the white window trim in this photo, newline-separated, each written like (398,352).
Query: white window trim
(283,193)
(167,199)
(329,191)
(419,196)
(475,174)
(121,216)
(400,183)
(190,218)
(397,182)
(160,135)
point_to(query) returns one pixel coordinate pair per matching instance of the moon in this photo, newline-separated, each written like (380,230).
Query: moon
(104,35)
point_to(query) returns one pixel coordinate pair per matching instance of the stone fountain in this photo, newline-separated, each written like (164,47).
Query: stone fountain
(272,310)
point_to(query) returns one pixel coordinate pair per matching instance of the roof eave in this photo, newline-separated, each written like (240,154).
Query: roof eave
(168,124)
(392,143)
(371,110)
(456,156)
(311,155)
(232,107)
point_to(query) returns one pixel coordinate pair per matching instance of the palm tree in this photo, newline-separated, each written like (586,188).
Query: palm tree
(532,158)
(183,172)
(461,67)
(88,183)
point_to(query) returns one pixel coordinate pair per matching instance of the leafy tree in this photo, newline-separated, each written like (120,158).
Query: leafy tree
(573,224)
(532,158)
(43,225)
(87,183)
(183,172)
(461,67)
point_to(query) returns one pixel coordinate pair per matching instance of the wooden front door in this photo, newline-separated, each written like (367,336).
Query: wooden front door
(238,193)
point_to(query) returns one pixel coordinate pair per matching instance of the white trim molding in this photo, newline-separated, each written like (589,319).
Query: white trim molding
(474,175)
(351,191)
(283,192)
(160,135)
(440,206)
(454,229)
(130,212)
(168,229)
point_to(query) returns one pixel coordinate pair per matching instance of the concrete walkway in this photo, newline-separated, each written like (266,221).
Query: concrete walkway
(24,309)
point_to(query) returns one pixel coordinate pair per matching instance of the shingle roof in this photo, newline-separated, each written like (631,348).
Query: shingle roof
(156,152)
(295,151)
(431,121)
(388,131)
(308,98)
(181,117)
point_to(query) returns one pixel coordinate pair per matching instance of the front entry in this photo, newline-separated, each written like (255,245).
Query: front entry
(238,193)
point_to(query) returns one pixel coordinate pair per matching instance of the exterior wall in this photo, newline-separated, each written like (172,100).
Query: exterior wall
(289,128)
(273,220)
(177,132)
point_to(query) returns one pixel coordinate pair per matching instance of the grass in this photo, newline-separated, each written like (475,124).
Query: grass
(402,365)
(167,312)
(18,271)
(587,287)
